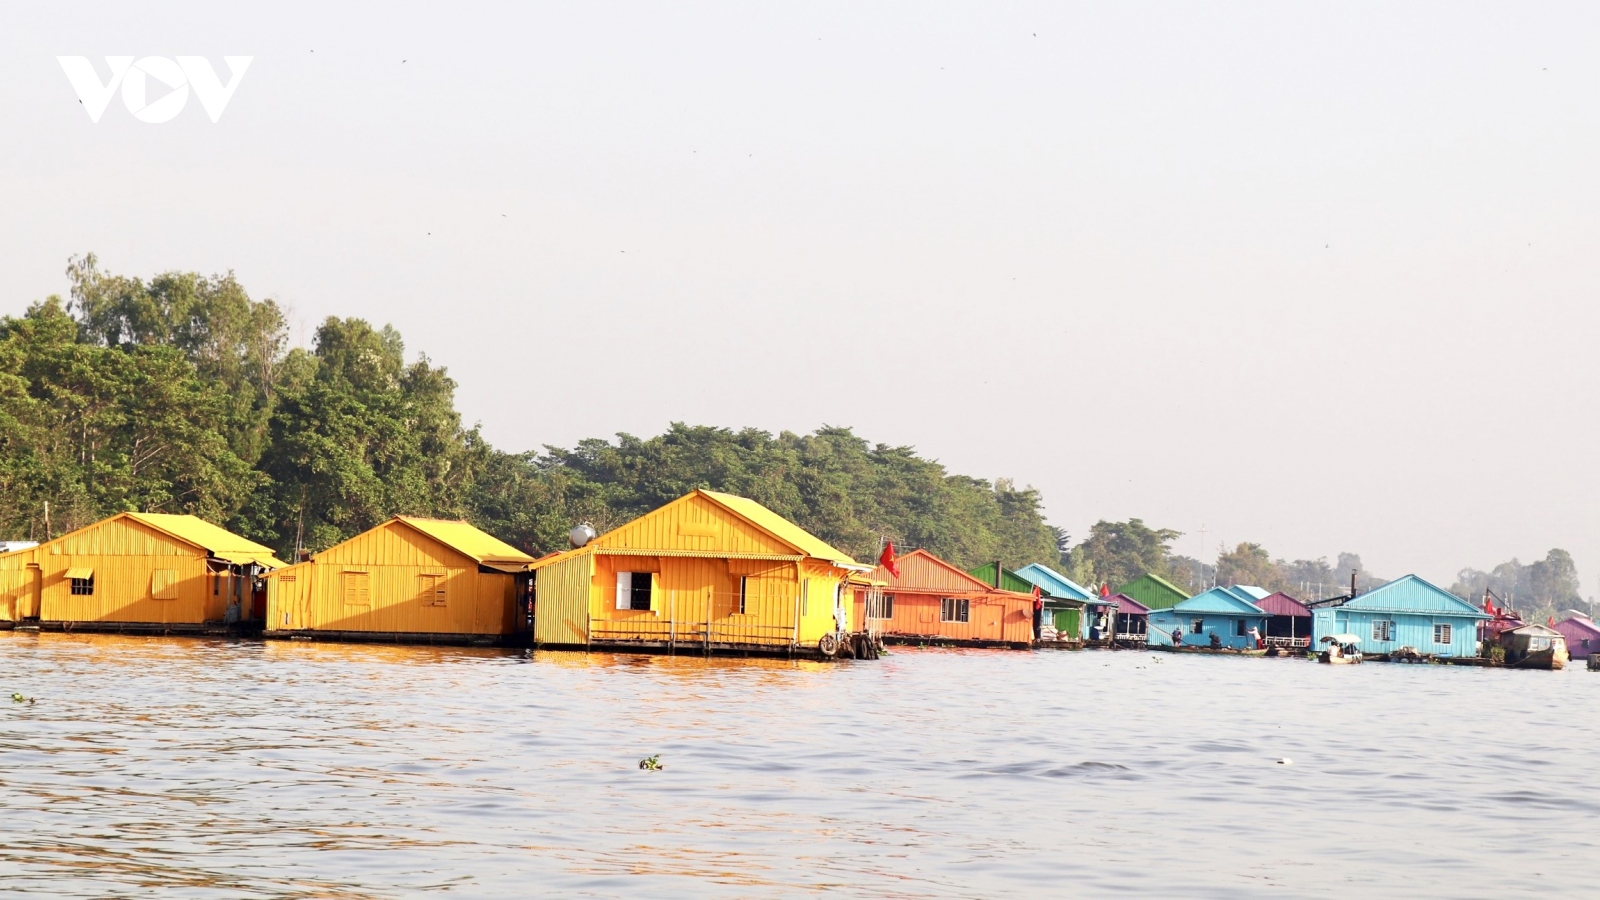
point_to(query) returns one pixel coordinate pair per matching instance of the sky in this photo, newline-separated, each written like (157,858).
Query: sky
(1321,278)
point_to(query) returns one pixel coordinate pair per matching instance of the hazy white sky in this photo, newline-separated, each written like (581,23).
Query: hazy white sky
(1322,278)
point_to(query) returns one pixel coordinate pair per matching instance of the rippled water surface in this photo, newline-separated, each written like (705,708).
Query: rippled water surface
(288,769)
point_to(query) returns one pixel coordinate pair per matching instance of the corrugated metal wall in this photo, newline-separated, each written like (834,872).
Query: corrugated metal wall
(129,561)
(694,523)
(393,580)
(990,618)
(562,601)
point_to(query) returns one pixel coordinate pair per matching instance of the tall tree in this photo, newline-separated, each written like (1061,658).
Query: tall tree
(1118,552)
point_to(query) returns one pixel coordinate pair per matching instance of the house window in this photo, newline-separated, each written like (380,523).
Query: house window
(953,610)
(886,607)
(1238,627)
(805,597)
(1196,626)
(216,584)
(633,590)
(1383,630)
(431,589)
(83,587)
(1441,634)
(357,589)
(744,593)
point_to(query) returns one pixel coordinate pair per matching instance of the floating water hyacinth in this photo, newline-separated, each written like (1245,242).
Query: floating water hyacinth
(651,763)
(16,697)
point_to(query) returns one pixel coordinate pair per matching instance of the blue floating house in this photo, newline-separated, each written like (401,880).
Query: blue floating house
(1229,613)
(1071,608)
(1406,612)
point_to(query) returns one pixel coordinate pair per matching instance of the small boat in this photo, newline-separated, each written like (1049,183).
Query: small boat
(1535,647)
(1341,650)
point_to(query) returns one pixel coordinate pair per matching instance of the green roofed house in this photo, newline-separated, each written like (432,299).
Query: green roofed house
(1069,607)
(1154,591)
(1007,580)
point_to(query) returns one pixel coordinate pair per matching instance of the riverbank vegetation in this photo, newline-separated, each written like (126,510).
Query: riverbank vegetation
(181,393)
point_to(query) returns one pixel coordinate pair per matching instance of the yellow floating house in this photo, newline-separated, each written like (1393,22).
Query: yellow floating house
(136,572)
(409,579)
(707,572)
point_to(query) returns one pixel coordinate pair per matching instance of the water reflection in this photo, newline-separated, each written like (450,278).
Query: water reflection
(326,770)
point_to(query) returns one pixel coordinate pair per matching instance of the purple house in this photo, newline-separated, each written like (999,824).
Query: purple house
(1582,634)
(1290,625)
(1132,618)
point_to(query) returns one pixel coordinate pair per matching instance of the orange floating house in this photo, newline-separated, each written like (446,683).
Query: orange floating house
(932,601)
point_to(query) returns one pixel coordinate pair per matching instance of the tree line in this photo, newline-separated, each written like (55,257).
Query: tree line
(182,393)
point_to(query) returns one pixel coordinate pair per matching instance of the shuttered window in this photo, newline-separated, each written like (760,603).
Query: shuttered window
(431,589)
(1382,630)
(1441,634)
(357,589)
(82,581)
(633,590)
(744,593)
(164,584)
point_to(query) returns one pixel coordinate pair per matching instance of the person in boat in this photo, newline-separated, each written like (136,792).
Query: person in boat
(1334,650)
(1216,641)
(1177,637)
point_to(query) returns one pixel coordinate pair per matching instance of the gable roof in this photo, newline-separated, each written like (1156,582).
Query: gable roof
(1053,583)
(1127,606)
(1411,594)
(1009,580)
(1154,591)
(215,540)
(779,527)
(1578,625)
(1219,600)
(467,540)
(1249,591)
(921,570)
(1537,629)
(1281,604)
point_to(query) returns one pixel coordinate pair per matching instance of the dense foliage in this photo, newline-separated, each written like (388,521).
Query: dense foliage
(182,394)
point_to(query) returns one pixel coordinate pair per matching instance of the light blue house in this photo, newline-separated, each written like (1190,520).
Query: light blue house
(1406,612)
(1069,606)
(1227,612)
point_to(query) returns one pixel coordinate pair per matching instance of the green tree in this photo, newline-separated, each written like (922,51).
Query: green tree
(1118,552)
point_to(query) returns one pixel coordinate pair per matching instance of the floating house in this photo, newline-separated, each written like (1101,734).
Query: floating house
(1582,634)
(1132,620)
(932,601)
(1070,609)
(1535,647)
(136,572)
(1289,625)
(1406,612)
(410,579)
(1154,592)
(1227,614)
(708,572)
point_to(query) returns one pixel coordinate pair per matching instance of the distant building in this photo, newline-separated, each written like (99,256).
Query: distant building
(1132,619)
(1406,612)
(1220,617)
(1154,592)
(932,601)
(1582,634)
(1289,622)
(1071,609)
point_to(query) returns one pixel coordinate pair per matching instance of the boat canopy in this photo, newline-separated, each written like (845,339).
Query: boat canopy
(1341,639)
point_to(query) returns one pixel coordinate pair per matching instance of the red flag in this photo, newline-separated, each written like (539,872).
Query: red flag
(887,560)
(1105,589)
(1552,621)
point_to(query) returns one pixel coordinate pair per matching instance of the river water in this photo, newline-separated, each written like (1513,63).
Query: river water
(238,769)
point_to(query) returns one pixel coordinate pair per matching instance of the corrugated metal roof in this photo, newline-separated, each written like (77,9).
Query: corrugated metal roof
(1281,604)
(1154,591)
(1578,625)
(779,527)
(1218,600)
(1250,591)
(219,542)
(467,540)
(1411,594)
(922,571)
(1054,583)
(1127,606)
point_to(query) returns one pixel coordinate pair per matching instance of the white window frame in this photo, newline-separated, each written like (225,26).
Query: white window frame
(625,592)
(952,609)
(1448,633)
(1383,630)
